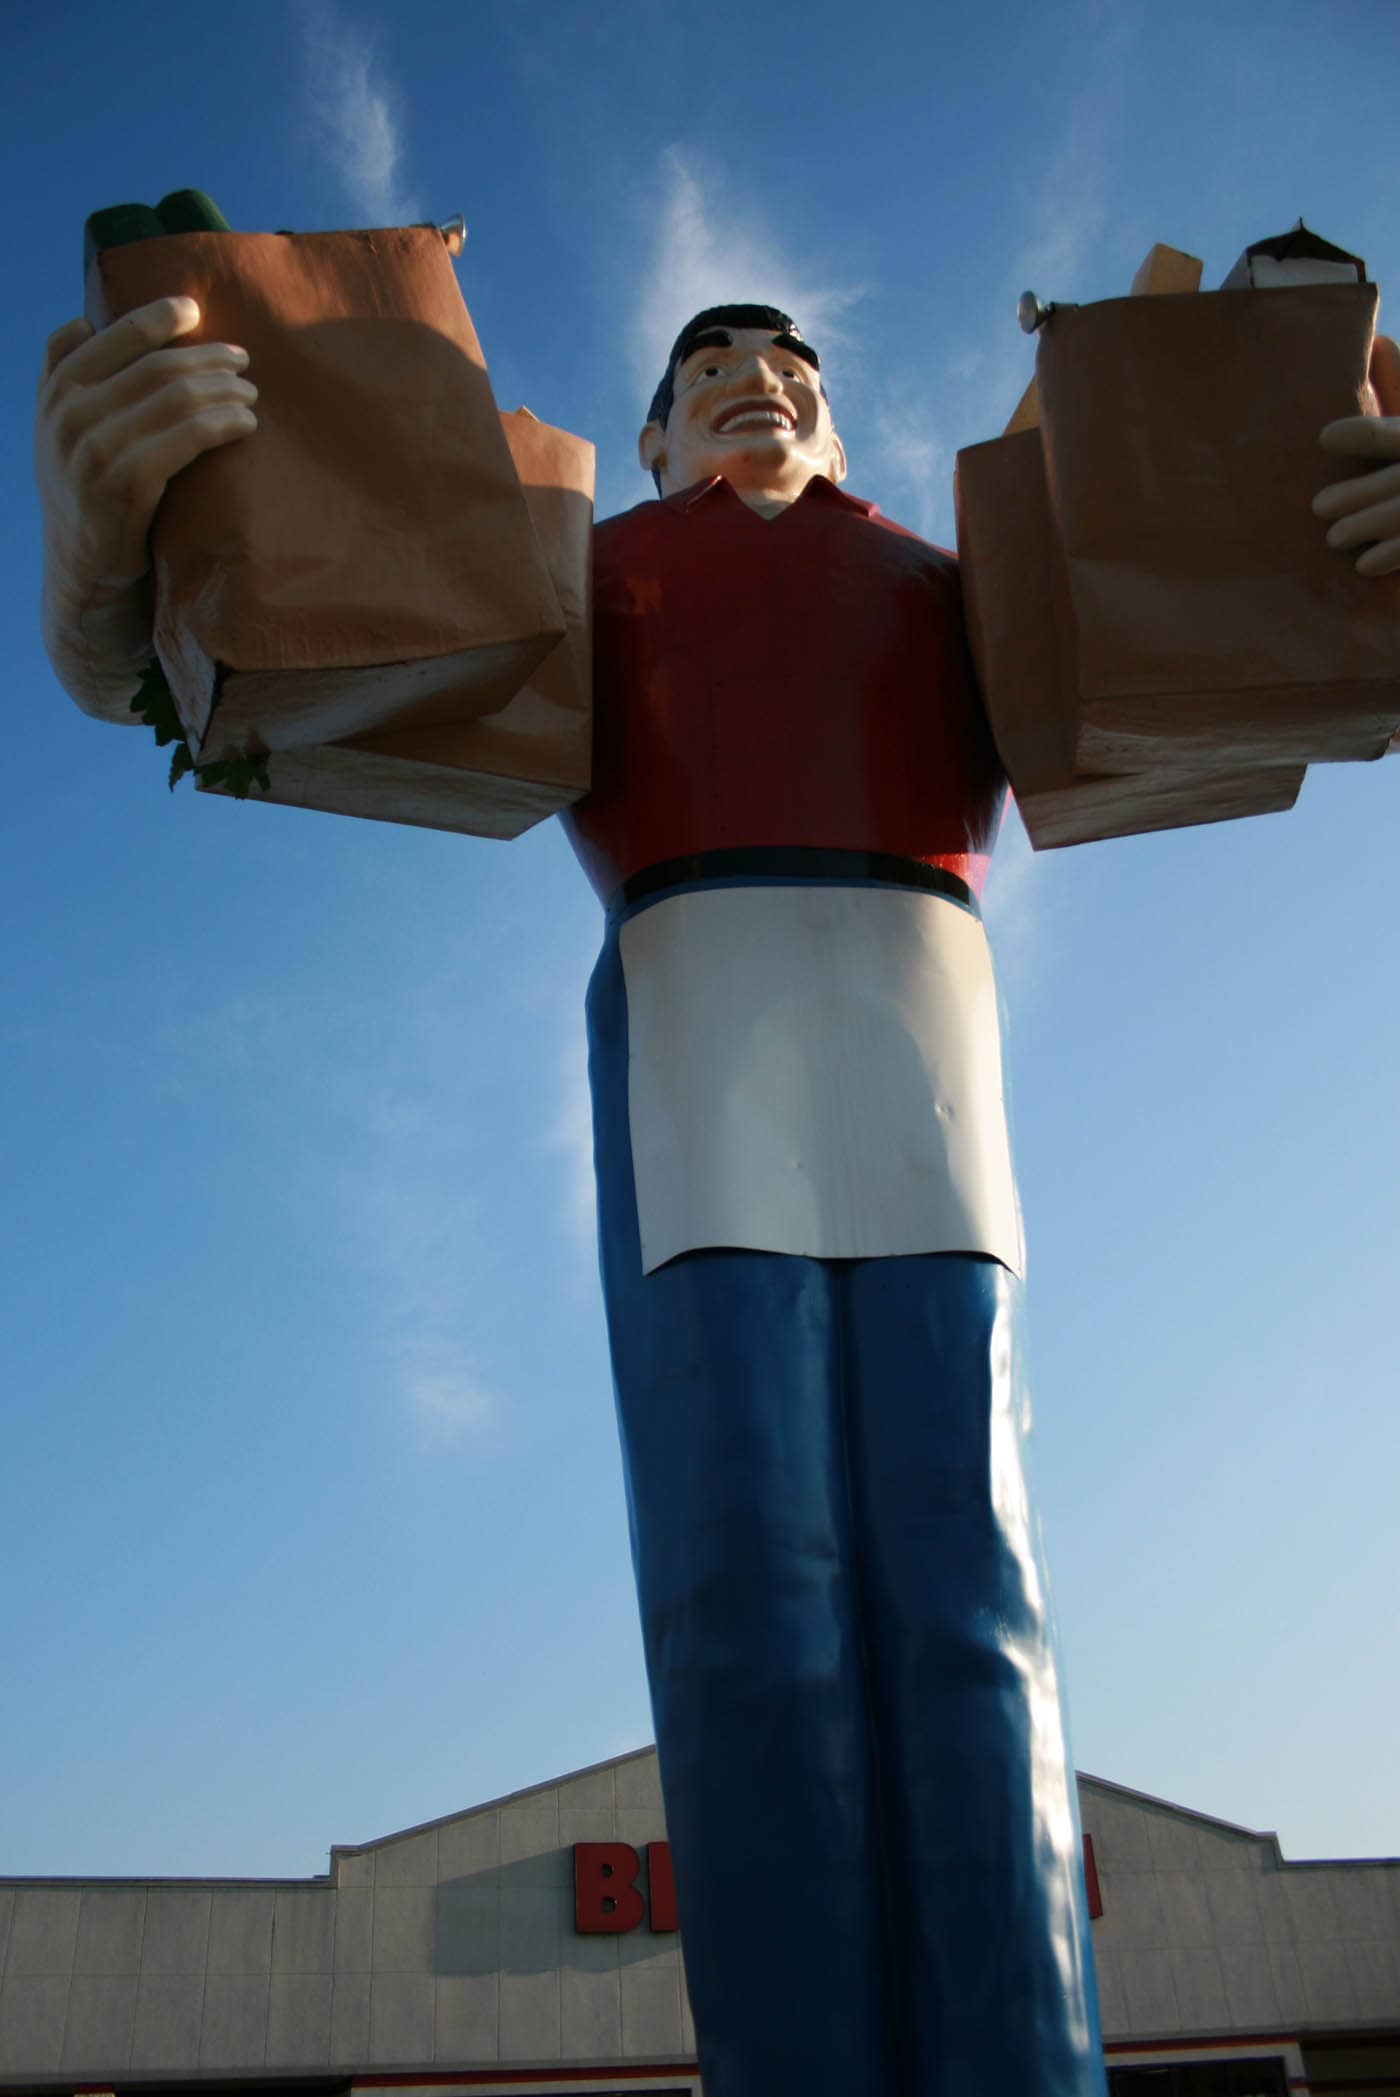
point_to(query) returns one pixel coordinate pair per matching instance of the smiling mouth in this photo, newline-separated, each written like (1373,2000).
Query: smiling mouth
(754,415)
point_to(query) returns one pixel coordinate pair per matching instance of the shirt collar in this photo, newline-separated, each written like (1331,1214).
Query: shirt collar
(819,489)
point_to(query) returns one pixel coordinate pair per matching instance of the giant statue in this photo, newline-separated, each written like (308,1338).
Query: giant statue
(810,1236)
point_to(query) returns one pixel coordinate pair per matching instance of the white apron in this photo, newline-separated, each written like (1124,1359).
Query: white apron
(816,1070)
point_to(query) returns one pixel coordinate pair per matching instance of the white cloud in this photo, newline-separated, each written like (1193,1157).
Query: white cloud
(706,252)
(1012,909)
(443,1399)
(354,108)
(1068,212)
(1067,217)
(423,1246)
(385,1131)
(707,249)
(570,1138)
(914,449)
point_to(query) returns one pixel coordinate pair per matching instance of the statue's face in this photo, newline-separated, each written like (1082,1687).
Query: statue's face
(748,410)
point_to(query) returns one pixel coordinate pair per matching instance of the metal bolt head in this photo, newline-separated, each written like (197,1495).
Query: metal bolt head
(1031,312)
(454,232)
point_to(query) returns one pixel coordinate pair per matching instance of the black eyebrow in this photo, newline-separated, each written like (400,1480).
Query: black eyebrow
(798,348)
(716,338)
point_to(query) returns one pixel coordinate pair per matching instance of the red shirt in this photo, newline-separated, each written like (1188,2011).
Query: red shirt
(795,680)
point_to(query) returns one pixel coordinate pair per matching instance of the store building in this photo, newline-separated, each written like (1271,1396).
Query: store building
(529,1946)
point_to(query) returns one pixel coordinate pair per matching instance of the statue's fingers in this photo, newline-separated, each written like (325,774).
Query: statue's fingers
(153,456)
(1381,559)
(1363,436)
(163,375)
(1379,520)
(62,343)
(122,473)
(146,328)
(1361,492)
(100,445)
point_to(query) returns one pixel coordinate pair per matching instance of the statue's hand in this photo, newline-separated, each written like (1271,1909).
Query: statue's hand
(119,413)
(1363,513)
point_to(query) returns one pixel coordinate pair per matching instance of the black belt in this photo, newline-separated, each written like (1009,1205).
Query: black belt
(795,862)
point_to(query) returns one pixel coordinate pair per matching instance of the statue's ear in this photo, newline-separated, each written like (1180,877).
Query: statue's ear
(651,448)
(838,459)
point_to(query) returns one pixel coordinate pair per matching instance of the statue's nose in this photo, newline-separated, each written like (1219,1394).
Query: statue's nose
(755,370)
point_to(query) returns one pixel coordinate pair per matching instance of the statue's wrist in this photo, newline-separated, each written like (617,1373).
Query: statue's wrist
(74,592)
(100,650)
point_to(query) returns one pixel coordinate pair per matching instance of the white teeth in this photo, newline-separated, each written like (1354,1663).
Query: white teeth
(756,419)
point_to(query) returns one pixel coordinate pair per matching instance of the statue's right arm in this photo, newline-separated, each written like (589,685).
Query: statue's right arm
(119,413)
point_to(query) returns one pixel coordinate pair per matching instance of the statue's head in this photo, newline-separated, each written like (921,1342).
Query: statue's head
(742,396)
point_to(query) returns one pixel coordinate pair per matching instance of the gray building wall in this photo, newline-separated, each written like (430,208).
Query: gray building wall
(453,1946)
(449,1945)
(1207,1930)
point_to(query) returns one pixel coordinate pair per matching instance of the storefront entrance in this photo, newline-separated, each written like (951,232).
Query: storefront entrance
(1236,2078)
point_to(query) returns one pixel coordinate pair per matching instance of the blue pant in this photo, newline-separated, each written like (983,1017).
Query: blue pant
(868,1793)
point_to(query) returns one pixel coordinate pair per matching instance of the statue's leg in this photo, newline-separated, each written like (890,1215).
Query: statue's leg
(727,1367)
(972,1769)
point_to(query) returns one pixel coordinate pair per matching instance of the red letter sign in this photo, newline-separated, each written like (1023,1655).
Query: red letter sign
(661,1883)
(605,1899)
(1091,1880)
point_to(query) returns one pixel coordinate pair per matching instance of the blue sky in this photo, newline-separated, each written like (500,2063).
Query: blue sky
(311,1522)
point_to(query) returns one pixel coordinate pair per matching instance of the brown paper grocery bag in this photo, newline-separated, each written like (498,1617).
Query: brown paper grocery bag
(365,559)
(1021,632)
(1210,619)
(497,775)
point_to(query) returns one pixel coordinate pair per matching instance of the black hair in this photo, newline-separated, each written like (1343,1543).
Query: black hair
(711,330)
